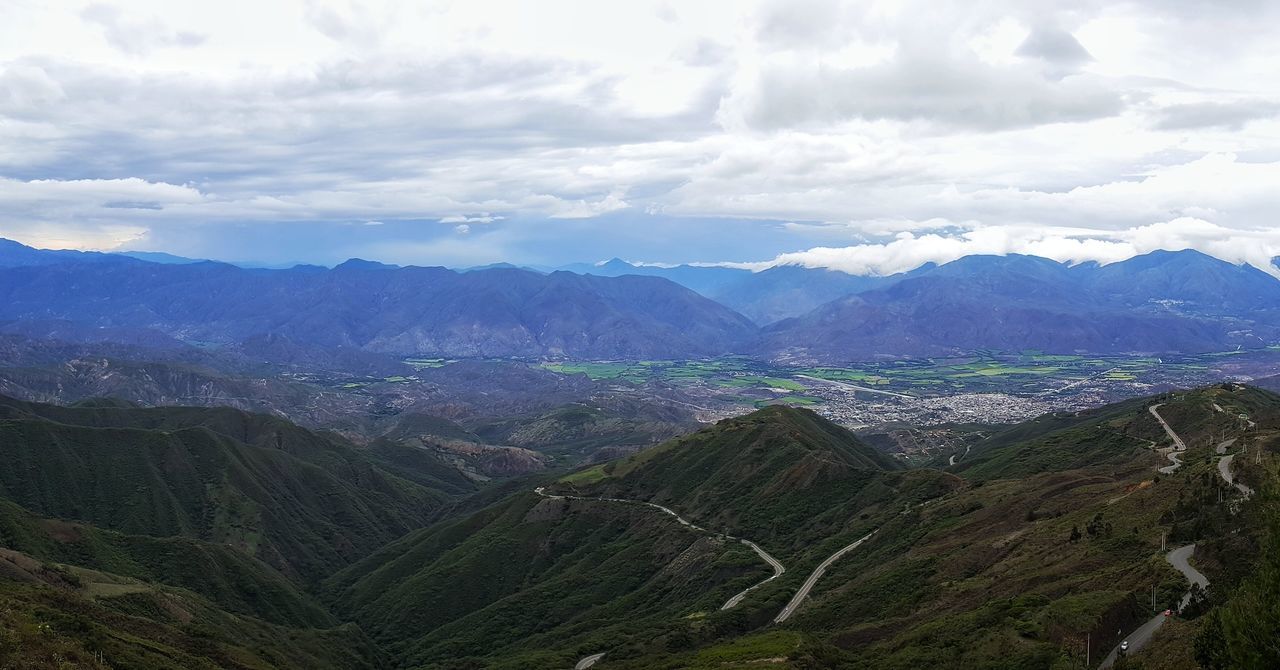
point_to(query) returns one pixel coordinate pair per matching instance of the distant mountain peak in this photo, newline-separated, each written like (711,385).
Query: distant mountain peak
(615,263)
(362,264)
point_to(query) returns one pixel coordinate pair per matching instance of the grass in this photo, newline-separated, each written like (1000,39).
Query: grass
(588,476)
(978,372)
(426,363)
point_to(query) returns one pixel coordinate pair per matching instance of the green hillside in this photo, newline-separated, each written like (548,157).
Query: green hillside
(783,477)
(1018,572)
(229,578)
(57,616)
(135,537)
(304,503)
(531,582)
(1114,434)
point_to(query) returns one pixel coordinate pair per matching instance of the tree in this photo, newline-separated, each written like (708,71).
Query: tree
(1250,621)
(1075,534)
(1198,604)
(1210,645)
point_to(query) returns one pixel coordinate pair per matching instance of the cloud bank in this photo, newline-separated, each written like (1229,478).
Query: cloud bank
(859,135)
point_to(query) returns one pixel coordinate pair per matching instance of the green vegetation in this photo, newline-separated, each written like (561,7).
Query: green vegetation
(229,578)
(215,538)
(304,503)
(979,372)
(572,432)
(584,477)
(530,582)
(46,622)
(426,363)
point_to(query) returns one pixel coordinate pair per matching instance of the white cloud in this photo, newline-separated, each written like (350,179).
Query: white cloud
(1068,245)
(997,125)
(484,217)
(137,36)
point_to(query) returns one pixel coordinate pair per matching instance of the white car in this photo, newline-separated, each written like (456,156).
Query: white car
(1124,646)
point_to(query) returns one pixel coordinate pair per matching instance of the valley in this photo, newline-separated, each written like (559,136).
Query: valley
(595,493)
(758,335)
(777,534)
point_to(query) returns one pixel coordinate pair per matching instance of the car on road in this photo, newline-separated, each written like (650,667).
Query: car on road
(1168,613)
(1124,646)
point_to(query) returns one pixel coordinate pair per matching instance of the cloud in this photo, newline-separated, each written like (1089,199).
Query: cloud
(747,128)
(1069,245)
(954,89)
(1057,48)
(483,217)
(137,36)
(1229,115)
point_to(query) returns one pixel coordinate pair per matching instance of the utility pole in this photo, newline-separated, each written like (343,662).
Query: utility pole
(1153,597)
(1088,649)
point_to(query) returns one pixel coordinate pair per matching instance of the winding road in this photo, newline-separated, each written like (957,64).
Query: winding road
(1173,456)
(1224,468)
(1179,558)
(813,579)
(541,490)
(1139,638)
(777,572)
(1178,444)
(778,569)
(1177,441)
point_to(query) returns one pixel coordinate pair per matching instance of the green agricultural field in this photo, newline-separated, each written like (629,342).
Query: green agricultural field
(424,363)
(602,370)
(795,400)
(753,382)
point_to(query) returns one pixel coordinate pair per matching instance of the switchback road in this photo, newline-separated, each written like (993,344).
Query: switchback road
(1224,468)
(1178,444)
(813,579)
(1177,441)
(778,569)
(1139,638)
(777,572)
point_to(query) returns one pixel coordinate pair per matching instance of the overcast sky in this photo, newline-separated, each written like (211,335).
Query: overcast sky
(865,136)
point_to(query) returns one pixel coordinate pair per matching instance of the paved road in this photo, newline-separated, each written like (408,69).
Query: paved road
(541,490)
(954,460)
(1074,384)
(1224,468)
(1177,441)
(1180,559)
(1173,456)
(813,579)
(1139,638)
(777,572)
(1178,444)
(778,569)
(855,387)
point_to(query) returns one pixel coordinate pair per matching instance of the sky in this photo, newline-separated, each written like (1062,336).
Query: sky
(868,136)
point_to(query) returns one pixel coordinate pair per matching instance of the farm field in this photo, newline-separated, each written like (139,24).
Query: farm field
(979,372)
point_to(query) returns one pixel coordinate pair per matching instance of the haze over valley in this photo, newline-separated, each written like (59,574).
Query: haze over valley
(809,335)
